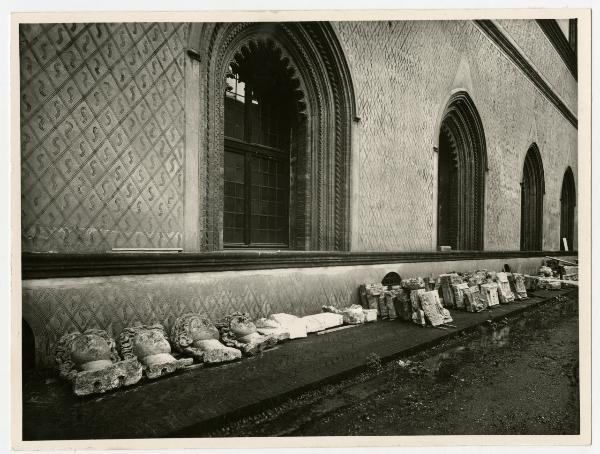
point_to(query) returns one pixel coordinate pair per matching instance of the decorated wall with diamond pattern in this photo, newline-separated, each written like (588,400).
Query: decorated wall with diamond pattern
(102,121)
(403,75)
(53,307)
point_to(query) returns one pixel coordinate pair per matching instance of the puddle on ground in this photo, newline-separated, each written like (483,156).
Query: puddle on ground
(497,335)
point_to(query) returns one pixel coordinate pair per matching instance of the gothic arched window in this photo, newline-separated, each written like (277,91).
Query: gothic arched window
(462,163)
(261,120)
(278,105)
(532,200)
(568,200)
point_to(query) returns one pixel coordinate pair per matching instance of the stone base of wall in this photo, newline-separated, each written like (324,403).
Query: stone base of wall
(56,306)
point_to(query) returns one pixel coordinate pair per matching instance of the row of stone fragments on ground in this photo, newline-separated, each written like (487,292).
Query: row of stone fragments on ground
(91,361)
(424,300)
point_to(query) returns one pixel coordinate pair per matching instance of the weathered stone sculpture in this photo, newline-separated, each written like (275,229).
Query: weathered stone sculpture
(446,281)
(238,331)
(150,346)
(458,291)
(517,285)
(390,297)
(291,323)
(90,361)
(268,327)
(353,315)
(476,277)
(413,283)
(489,294)
(370,315)
(471,299)
(418,316)
(403,305)
(374,292)
(505,294)
(434,312)
(195,336)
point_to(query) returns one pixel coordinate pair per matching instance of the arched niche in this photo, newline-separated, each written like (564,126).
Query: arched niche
(462,163)
(532,200)
(568,201)
(320,152)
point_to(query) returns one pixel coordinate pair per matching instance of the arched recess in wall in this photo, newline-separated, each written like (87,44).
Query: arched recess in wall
(568,200)
(312,71)
(532,200)
(462,163)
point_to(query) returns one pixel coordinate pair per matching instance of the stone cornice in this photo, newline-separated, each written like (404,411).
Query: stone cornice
(560,43)
(55,265)
(490,29)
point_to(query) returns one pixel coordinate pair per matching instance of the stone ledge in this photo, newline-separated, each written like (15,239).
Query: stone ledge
(58,265)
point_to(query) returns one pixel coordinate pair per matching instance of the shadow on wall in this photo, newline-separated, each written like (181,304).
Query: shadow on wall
(28,347)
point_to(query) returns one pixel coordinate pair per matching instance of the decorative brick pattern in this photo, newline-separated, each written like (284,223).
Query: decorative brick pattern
(403,74)
(537,47)
(102,121)
(53,307)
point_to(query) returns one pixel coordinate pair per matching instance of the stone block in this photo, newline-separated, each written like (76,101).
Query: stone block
(471,299)
(293,324)
(390,296)
(117,375)
(370,315)
(488,294)
(505,294)
(353,315)
(517,285)
(458,291)
(434,312)
(322,321)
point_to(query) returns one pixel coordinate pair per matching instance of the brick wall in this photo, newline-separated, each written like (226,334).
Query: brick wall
(102,116)
(102,126)
(403,74)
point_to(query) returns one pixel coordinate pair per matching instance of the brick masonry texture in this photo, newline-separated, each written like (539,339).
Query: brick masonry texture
(403,74)
(536,46)
(53,307)
(103,112)
(102,123)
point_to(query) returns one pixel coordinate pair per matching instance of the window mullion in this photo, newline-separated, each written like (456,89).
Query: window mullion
(248,166)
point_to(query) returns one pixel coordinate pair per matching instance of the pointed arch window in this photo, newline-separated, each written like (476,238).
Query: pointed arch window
(278,109)
(260,108)
(532,199)
(462,163)
(568,199)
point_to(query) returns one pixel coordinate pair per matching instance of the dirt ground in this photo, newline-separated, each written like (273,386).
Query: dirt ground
(515,377)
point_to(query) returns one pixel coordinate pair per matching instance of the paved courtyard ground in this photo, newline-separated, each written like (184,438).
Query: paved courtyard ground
(517,376)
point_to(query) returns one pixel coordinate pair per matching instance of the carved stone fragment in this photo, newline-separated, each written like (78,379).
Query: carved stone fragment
(471,299)
(322,321)
(150,346)
(238,331)
(403,305)
(293,324)
(353,315)
(418,316)
(458,291)
(195,336)
(489,294)
(434,312)
(91,362)
(517,285)
(390,296)
(505,294)
(268,327)
(370,315)
(446,281)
